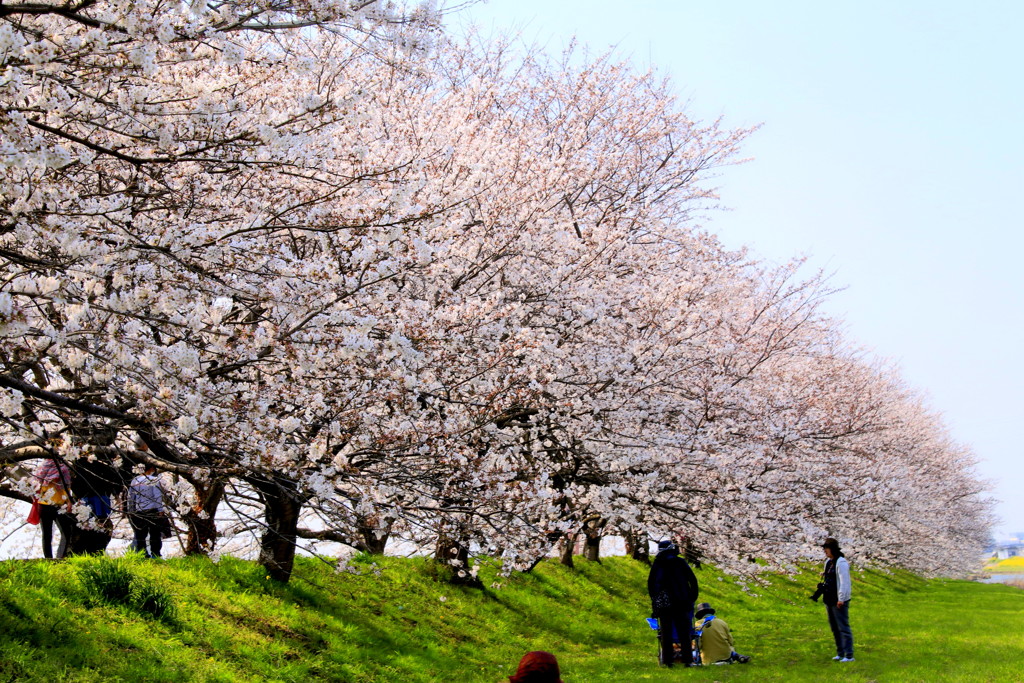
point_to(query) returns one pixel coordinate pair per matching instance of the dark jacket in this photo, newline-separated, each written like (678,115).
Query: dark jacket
(671,583)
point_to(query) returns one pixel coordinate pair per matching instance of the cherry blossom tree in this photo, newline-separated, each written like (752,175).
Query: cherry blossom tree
(150,195)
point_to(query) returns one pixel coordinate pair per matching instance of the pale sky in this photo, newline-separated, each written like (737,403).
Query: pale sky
(891,155)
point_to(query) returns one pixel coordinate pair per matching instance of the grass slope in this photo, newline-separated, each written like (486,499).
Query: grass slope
(89,619)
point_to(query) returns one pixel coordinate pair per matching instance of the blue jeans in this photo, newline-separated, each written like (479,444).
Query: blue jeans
(839,620)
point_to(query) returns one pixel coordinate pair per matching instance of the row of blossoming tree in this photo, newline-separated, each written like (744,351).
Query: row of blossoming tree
(350,280)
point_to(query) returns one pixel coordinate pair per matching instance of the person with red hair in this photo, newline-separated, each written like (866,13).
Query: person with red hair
(537,667)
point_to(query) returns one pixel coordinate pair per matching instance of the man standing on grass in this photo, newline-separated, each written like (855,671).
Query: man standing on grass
(673,590)
(146,511)
(836,597)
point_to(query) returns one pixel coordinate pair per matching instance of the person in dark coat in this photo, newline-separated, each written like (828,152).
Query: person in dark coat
(673,590)
(96,481)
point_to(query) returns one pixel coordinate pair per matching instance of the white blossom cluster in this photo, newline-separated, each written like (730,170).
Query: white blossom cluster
(352,293)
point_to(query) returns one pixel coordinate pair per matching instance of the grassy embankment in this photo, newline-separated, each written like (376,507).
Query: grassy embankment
(193,620)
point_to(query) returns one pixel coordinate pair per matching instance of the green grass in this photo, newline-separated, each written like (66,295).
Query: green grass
(397,620)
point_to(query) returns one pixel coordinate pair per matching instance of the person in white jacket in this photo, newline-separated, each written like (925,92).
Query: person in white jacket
(836,597)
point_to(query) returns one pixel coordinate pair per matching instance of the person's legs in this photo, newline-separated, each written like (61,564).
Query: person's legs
(156,541)
(678,641)
(686,630)
(845,634)
(668,627)
(834,625)
(141,530)
(47,515)
(66,526)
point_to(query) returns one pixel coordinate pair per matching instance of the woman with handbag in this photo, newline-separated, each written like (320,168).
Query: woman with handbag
(53,492)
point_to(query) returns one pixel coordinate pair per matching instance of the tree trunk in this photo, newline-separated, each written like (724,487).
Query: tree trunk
(281,507)
(369,540)
(201,520)
(692,554)
(593,529)
(568,543)
(637,546)
(453,550)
